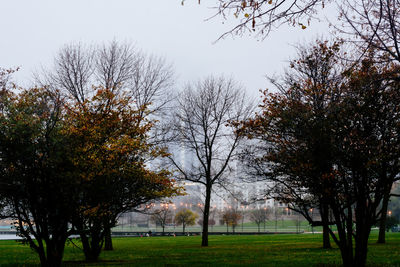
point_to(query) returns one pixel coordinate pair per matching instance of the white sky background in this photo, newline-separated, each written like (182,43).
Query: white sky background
(34,30)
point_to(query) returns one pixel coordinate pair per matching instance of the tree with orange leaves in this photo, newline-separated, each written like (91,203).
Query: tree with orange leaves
(111,150)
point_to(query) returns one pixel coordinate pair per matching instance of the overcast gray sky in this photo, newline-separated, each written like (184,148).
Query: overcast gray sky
(34,30)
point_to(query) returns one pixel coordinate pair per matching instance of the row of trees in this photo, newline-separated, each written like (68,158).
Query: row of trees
(87,134)
(328,139)
(231,217)
(164,216)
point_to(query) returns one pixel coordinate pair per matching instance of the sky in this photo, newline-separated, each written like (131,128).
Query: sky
(33,32)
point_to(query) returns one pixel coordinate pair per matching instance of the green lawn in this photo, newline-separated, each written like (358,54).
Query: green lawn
(262,250)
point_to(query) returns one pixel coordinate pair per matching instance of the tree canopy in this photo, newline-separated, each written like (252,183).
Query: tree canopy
(332,144)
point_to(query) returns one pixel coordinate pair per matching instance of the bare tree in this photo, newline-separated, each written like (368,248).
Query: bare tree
(162,216)
(259,216)
(73,69)
(152,83)
(373,24)
(119,67)
(201,131)
(231,217)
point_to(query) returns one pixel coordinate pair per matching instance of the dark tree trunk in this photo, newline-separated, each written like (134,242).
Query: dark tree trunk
(325,229)
(344,240)
(382,222)
(363,229)
(206,213)
(50,247)
(346,248)
(361,249)
(92,247)
(55,252)
(42,256)
(107,239)
(347,257)
(326,243)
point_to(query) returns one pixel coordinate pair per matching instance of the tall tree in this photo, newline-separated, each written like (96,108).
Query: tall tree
(359,131)
(310,85)
(201,132)
(120,68)
(373,24)
(37,175)
(110,140)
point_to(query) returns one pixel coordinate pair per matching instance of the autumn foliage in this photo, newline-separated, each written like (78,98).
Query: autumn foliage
(70,167)
(329,141)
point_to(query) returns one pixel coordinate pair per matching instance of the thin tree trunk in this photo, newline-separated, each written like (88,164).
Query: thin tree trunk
(206,213)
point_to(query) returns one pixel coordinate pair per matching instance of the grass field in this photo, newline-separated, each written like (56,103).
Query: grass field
(260,250)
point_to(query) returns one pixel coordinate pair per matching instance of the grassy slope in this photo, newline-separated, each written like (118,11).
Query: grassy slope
(268,250)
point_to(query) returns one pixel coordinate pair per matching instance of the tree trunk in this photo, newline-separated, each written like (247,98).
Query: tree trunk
(206,213)
(361,250)
(347,257)
(346,248)
(92,248)
(55,252)
(326,243)
(382,222)
(325,229)
(42,256)
(345,239)
(363,229)
(107,239)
